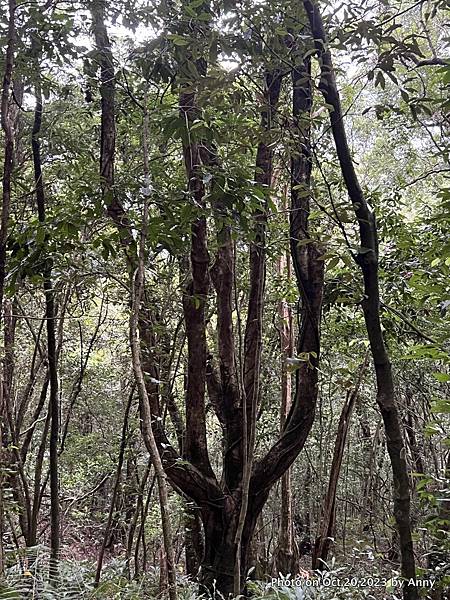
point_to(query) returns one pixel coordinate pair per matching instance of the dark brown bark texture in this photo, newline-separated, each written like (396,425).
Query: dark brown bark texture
(108,128)
(257,277)
(309,273)
(224,390)
(184,475)
(194,305)
(367,259)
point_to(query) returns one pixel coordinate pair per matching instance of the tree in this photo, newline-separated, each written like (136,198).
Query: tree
(7,126)
(367,259)
(50,317)
(230,508)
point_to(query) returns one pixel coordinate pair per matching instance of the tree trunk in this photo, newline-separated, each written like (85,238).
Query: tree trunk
(123,445)
(367,259)
(285,555)
(328,512)
(219,563)
(16,478)
(229,509)
(8,130)
(149,438)
(7,127)
(50,315)
(194,549)
(253,330)
(37,494)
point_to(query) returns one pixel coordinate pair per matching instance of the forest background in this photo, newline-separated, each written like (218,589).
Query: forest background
(224,291)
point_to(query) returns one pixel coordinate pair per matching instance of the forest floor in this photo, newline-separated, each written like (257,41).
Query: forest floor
(364,574)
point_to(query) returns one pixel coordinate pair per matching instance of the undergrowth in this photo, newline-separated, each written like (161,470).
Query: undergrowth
(27,578)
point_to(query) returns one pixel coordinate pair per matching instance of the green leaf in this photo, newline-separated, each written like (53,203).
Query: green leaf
(441,377)
(178,40)
(333,262)
(440,407)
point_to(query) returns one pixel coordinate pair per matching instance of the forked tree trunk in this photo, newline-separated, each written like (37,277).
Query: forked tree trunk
(367,259)
(229,508)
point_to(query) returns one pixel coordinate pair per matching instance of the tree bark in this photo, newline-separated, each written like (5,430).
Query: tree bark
(229,509)
(108,129)
(183,474)
(195,298)
(309,277)
(367,260)
(194,546)
(37,492)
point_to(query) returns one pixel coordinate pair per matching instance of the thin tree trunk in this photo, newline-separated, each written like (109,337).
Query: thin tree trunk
(28,434)
(17,478)
(50,314)
(285,556)
(138,511)
(367,259)
(108,131)
(8,130)
(147,427)
(37,493)
(328,512)
(123,444)
(253,328)
(141,533)
(195,298)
